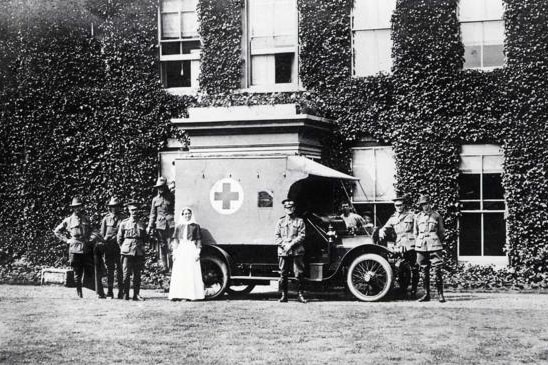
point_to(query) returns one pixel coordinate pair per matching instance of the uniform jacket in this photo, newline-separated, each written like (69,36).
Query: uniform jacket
(75,230)
(193,233)
(131,237)
(290,231)
(429,231)
(161,212)
(403,225)
(109,230)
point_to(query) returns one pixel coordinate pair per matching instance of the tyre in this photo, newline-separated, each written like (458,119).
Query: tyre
(369,277)
(240,289)
(214,275)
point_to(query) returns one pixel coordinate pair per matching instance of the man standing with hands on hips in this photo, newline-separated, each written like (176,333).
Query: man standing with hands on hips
(289,237)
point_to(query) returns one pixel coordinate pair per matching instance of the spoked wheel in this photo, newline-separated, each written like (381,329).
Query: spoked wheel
(214,275)
(240,289)
(369,277)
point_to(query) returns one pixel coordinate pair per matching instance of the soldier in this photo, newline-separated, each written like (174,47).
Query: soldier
(109,229)
(354,222)
(429,231)
(402,222)
(289,237)
(75,230)
(161,221)
(131,239)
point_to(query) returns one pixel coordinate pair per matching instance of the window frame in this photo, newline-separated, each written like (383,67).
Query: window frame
(373,29)
(482,151)
(191,57)
(482,20)
(246,84)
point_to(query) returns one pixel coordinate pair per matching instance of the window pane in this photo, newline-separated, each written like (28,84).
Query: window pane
(470,234)
(170,5)
(493,56)
(284,66)
(189,25)
(376,169)
(471,10)
(370,14)
(493,32)
(285,18)
(188,5)
(262,68)
(494,234)
(176,73)
(494,205)
(169,48)
(494,9)
(470,206)
(372,52)
(261,18)
(472,56)
(191,46)
(492,186)
(470,164)
(194,72)
(170,26)
(469,186)
(493,163)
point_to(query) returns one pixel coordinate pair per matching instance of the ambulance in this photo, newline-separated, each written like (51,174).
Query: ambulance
(237,201)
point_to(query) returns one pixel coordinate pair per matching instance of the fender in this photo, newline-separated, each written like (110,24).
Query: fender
(216,250)
(360,250)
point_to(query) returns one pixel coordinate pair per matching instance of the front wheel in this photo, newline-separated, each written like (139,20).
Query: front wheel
(214,275)
(369,277)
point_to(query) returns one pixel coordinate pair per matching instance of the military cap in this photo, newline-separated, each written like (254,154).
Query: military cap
(113,202)
(399,198)
(160,182)
(76,202)
(424,199)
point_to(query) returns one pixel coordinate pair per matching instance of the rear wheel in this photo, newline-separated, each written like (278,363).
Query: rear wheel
(369,277)
(240,289)
(214,275)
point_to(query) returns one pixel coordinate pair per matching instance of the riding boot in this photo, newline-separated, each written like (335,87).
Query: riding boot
(425,273)
(120,292)
(404,283)
(283,288)
(126,289)
(110,292)
(79,291)
(414,282)
(439,286)
(300,296)
(136,296)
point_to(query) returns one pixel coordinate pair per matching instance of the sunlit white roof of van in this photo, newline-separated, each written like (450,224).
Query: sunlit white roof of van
(303,164)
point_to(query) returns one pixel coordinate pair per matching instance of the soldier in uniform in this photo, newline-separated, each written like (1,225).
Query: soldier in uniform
(289,236)
(430,232)
(131,239)
(402,222)
(161,221)
(354,222)
(75,230)
(109,230)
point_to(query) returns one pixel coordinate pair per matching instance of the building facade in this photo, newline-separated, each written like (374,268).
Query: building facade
(365,47)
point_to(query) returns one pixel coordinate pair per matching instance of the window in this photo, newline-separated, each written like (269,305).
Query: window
(376,169)
(179,44)
(272,44)
(482,31)
(371,42)
(482,227)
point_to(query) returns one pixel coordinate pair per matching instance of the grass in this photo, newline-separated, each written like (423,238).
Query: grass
(46,325)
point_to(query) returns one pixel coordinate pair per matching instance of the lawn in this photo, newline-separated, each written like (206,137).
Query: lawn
(49,325)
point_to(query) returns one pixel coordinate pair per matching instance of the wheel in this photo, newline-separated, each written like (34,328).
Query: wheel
(214,275)
(369,277)
(240,289)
